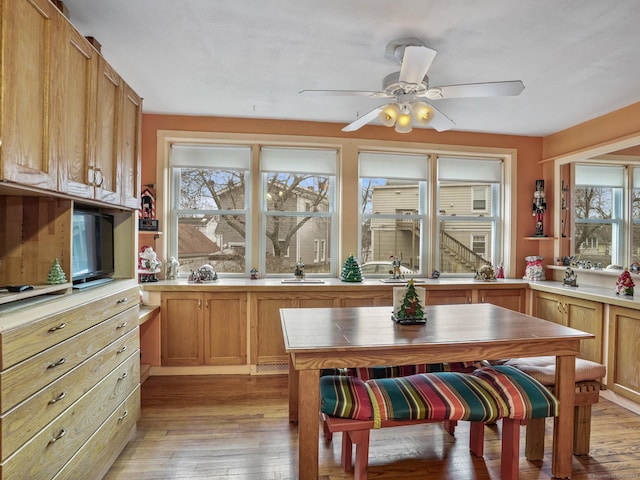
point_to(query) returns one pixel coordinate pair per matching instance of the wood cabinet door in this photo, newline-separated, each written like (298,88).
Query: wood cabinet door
(26,80)
(225,329)
(182,329)
(586,315)
(623,369)
(548,306)
(448,297)
(511,298)
(130,148)
(267,344)
(106,172)
(74,111)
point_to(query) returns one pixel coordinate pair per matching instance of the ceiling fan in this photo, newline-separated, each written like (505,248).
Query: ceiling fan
(410,91)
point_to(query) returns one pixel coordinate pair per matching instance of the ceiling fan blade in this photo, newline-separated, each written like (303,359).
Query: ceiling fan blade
(415,63)
(440,121)
(490,89)
(355,93)
(363,120)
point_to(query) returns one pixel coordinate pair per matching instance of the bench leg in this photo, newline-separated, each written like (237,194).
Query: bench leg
(361,439)
(534,445)
(581,429)
(476,438)
(346,457)
(510,461)
(450,426)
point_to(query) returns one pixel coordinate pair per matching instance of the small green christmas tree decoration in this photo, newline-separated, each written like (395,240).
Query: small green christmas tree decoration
(56,274)
(411,310)
(351,270)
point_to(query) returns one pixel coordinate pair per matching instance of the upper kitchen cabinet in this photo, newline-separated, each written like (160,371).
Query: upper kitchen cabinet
(75,67)
(27,42)
(105,171)
(130,147)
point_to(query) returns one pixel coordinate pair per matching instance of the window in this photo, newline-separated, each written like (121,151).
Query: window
(392,210)
(298,209)
(208,206)
(469,214)
(479,199)
(599,219)
(635,212)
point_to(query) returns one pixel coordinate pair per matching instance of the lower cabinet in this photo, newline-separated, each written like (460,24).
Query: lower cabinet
(585,315)
(203,328)
(623,370)
(69,367)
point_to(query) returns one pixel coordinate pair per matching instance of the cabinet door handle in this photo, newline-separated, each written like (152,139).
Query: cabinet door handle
(123,300)
(122,350)
(564,308)
(99,178)
(124,414)
(58,363)
(91,175)
(559,307)
(206,304)
(59,327)
(123,376)
(62,433)
(199,304)
(469,300)
(58,398)
(482,300)
(122,325)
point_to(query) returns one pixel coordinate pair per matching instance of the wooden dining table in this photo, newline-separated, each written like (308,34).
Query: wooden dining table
(318,338)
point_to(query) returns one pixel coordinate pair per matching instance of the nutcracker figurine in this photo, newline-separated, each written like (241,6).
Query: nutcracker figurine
(539,206)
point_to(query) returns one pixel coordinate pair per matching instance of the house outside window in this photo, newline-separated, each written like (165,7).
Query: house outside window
(297,207)
(392,209)
(463,185)
(209,206)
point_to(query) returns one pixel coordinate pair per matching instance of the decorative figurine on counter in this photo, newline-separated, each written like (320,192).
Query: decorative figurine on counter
(299,271)
(570,278)
(205,274)
(56,274)
(539,206)
(624,284)
(485,274)
(408,304)
(351,270)
(395,266)
(500,270)
(172,269)
(148,264)
(534,270)
(435,274)
(255,275)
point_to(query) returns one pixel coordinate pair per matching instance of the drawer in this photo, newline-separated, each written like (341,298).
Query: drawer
(27,418)
(96,456)
(26,340)
(45,454)
(24,379)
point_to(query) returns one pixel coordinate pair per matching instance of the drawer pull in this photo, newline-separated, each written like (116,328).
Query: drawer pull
(123,300)
(59,327)
(124,414)
(123,376)
(62,433)
(122,350)
(58,398)
(58,363)
(122,325)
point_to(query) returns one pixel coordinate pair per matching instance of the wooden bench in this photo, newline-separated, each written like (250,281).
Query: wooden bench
(353,407)
(588,386)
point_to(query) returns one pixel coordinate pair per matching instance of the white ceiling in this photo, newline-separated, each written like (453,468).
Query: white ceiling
(578,59)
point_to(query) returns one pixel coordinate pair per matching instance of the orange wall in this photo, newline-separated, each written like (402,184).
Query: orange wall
(529,154)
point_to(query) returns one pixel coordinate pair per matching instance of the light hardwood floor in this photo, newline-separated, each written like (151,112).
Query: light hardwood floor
(236,427)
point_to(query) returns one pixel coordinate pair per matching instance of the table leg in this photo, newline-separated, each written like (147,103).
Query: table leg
(293,391)
(308,424)
(563,423)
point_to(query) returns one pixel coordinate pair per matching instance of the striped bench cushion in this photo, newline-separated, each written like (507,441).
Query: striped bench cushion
(346,397)
(523,396)
(543,369)
(388,371)
(433,396)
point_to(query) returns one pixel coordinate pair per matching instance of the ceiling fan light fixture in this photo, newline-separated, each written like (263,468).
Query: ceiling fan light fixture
(403,123)
(389,114)
(434,93)
(422,112)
